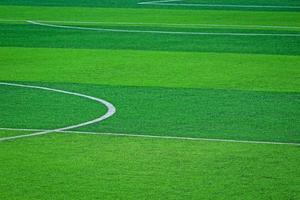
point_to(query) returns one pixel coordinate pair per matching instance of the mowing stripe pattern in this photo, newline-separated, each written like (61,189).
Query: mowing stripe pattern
(207,95)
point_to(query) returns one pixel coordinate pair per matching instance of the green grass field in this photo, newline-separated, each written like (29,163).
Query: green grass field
(207,98)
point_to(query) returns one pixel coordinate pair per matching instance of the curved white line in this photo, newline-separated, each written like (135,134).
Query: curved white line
(166,24)
(160,32)
(159,24)
(110,111)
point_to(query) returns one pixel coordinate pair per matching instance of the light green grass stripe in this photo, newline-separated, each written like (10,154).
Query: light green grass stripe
(146,68)
(136,168)
(151,15)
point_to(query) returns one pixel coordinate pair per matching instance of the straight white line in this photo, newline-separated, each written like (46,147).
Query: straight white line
(169,3)
(163,1)
(161,32)
(160,137)
(173,24)
(159,24)
(110,111)
(23,129)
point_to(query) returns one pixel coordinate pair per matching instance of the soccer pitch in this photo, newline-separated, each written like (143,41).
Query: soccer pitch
(141,99)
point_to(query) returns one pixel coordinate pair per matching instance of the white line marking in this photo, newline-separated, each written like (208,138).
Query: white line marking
(23,129)
(110,111)
(160,137)
(159,24)
(11,20)
(169,3)
(161,32)
(173,24)
(159,2)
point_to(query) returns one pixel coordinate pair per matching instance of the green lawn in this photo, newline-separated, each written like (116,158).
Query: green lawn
(145,15)
(209,113)
(134,4)
(14,34)
(72,166)
(136,68)
(244,88)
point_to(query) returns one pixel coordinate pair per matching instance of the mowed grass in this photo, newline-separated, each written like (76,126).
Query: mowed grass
(145,15)
(49,37)
(292,4)
(221,95)
(152,68)
(40,109)
(14,34)
(239,115)
(72,166)
(237,88)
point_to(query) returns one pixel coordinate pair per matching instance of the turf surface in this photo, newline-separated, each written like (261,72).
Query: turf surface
(285,5)
(239,115)
(200,86)
(14,34)
(44,109)
(105,167)
(136,68)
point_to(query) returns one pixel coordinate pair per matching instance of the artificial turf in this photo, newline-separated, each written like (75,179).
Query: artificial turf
(250,72)
(230,114)
(72,166)
(291,4)
(226,87)
(15,35)
(44,109)
(145,15)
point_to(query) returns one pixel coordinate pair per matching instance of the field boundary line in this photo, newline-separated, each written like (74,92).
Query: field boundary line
(162,24)
(110,111)
(160,32)
(172,24)
(159,137)
(170,3)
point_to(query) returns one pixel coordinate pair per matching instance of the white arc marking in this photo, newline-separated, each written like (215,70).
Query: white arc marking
(110,111)
(161,32)
(159,24)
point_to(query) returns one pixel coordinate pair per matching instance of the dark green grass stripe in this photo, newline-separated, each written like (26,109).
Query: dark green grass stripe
(21,107)
(77,3)
(17,35)
(10,133)
(229,114)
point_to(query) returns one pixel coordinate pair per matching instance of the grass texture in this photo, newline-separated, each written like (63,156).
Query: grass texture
(83,167)
(201,86)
